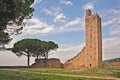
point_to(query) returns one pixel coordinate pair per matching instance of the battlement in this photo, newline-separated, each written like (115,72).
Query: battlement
(88,12)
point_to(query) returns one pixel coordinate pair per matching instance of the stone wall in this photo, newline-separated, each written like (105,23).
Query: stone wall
(47,63)
(91,54)
(78,62)
(111,64)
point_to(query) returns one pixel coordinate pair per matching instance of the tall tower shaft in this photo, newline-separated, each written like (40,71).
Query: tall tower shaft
(91,55)
(93,40)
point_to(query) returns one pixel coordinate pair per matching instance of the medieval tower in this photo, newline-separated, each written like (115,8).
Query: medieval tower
(91,54)
(93,40)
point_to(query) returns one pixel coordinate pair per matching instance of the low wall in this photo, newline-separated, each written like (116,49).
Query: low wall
(111,63)
(47,63)
(13,67)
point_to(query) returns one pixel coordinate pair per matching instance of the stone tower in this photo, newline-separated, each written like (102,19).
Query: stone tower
(93,40)
(91,54)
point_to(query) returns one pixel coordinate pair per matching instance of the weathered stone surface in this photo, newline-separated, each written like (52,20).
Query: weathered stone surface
(93,41)
(47,63)
(91,54)
(78,62)
(111,64)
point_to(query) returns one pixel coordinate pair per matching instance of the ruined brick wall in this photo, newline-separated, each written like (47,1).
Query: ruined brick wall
(78,62)
(47,63)
(91,54)
(111,64)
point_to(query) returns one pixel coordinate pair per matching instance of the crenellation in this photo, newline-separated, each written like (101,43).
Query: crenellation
(88,12)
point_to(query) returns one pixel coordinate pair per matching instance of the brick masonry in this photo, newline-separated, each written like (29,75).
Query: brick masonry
(47,63)
(91,54)
(111,64)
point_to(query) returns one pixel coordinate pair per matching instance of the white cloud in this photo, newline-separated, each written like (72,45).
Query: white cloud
(76,24)
(115,11)
(113,17)
(67,2)
(37,26)
(115,30)
(111,47)
(114,26)
(53,11)
(89,5)
(66,52)
(36,2)
(56,13)
(60,18)
(112,21)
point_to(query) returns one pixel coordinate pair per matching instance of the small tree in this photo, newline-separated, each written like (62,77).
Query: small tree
(33,47)
(26,47)
(46,47)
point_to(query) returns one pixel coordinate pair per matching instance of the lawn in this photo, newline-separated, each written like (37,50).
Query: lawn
(104,71)
(38,73)
(18,75)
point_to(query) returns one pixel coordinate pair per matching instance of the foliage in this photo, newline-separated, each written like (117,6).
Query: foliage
(33,47)
(12,14)
(4,39)
(46,47)
(12,75)
(14,11)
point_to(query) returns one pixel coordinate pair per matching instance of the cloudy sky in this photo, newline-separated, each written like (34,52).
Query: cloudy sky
(62,21)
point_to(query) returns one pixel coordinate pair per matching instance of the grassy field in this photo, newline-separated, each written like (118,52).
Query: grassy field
(105,71)
(37,73)
(18,75)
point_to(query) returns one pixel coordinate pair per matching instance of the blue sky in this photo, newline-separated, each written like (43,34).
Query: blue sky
(62,21)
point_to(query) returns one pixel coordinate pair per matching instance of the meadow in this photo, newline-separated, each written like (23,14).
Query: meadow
(50,74)
(16,75)
(104,71)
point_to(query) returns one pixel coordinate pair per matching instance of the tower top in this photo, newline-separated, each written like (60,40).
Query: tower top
(88,12)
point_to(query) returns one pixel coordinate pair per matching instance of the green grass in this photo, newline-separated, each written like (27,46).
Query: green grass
(105,71)
(16,75)
(36,73)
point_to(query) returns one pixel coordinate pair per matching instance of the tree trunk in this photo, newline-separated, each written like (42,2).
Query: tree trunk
(28,61)
(46,55)
(37,57)
(46,59)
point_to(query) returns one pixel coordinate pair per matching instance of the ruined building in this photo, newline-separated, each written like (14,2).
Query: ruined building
(47,63)
(91,54)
